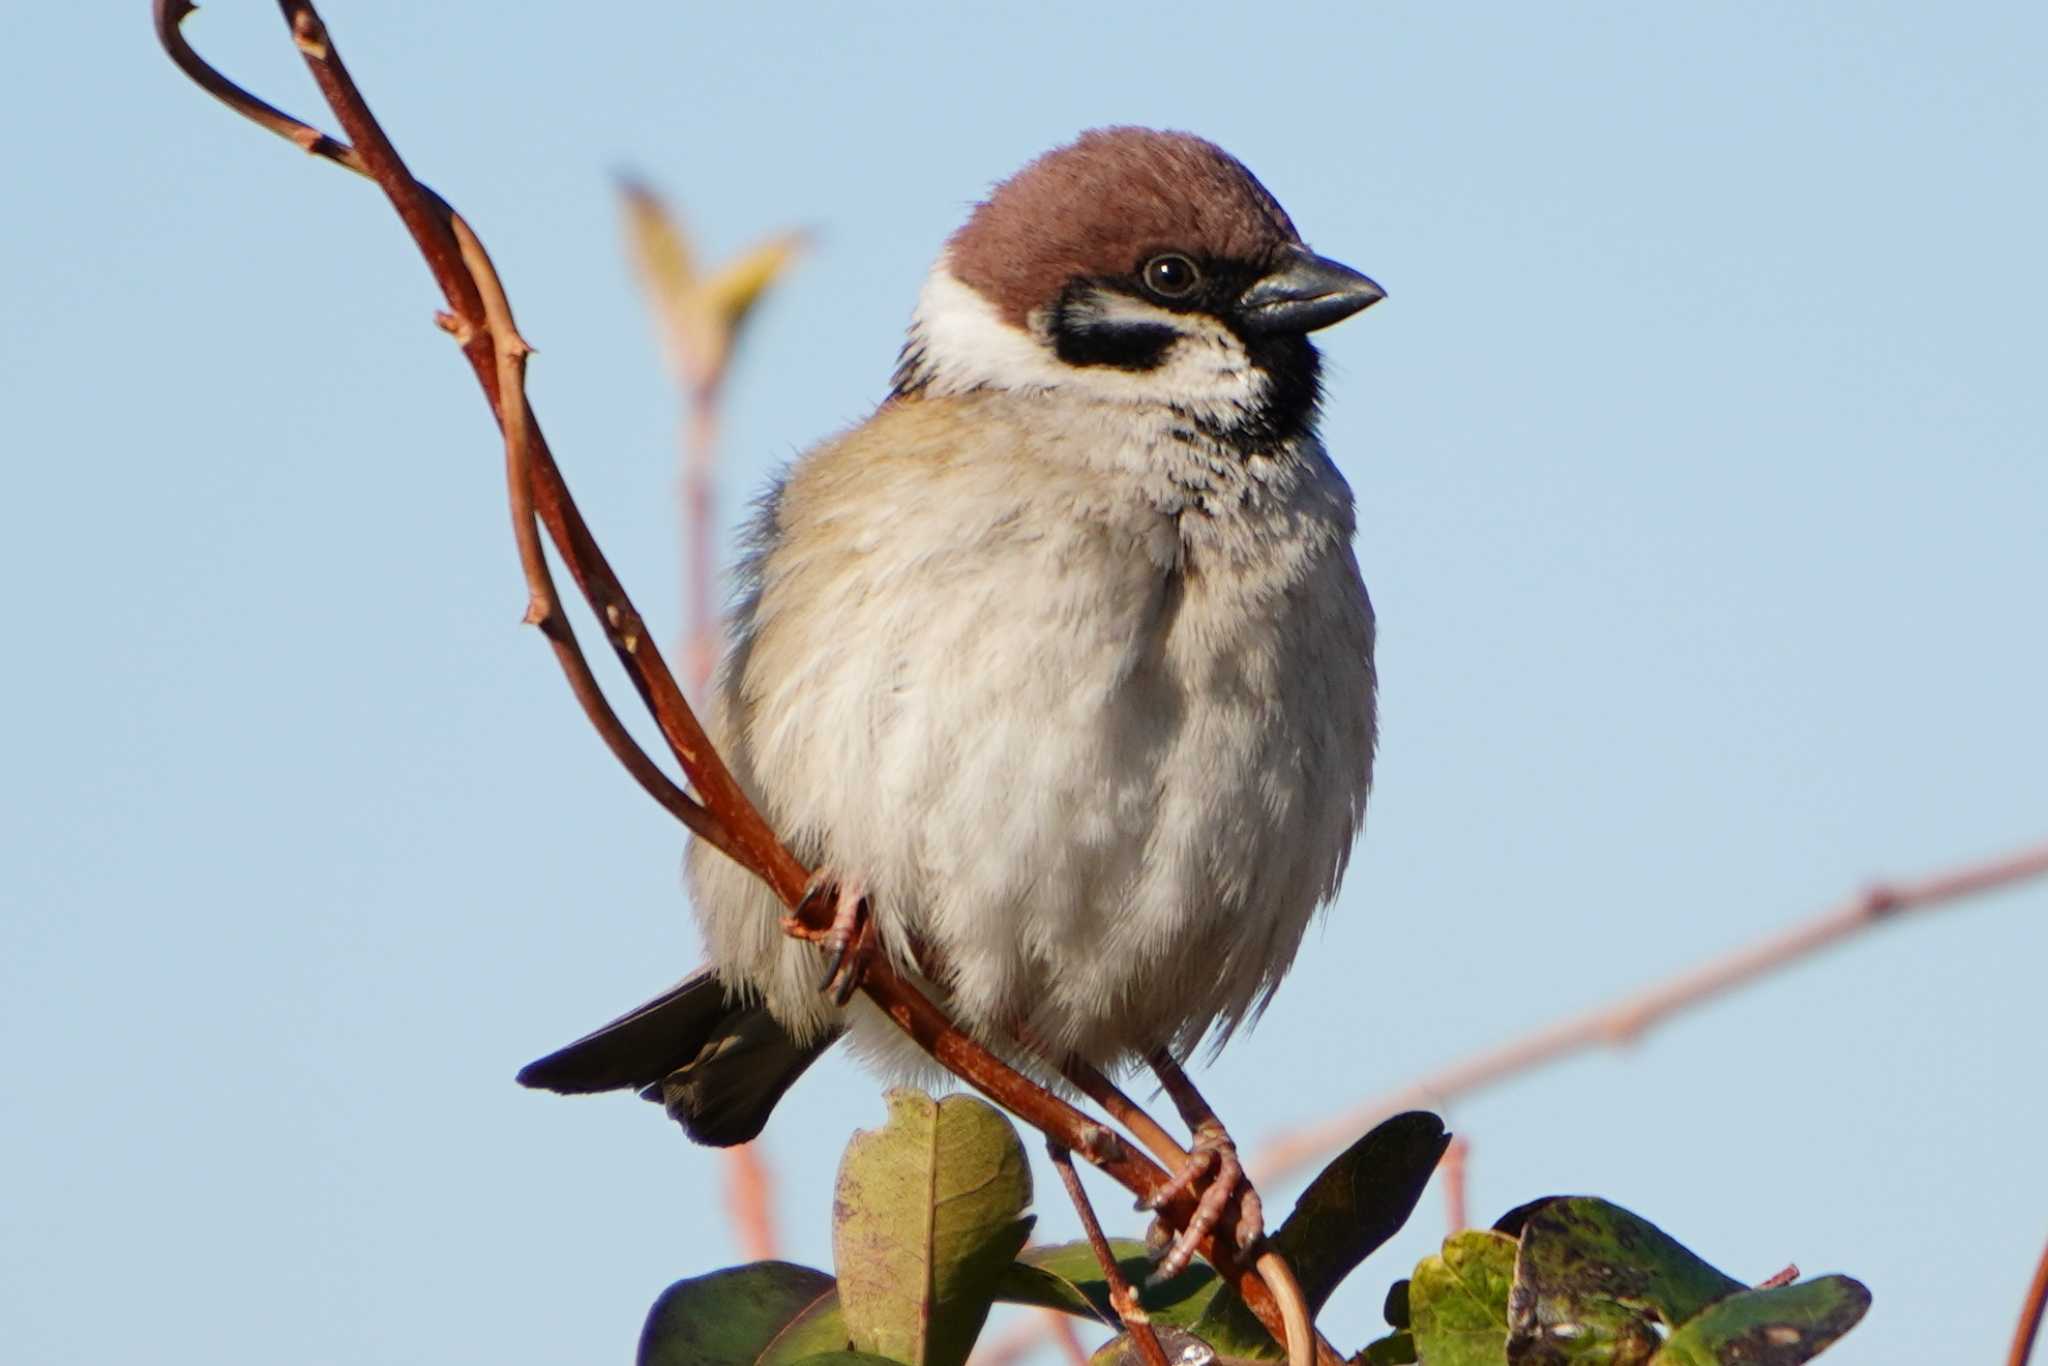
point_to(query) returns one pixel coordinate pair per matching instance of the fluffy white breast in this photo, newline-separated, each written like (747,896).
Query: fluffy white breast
(1090,711)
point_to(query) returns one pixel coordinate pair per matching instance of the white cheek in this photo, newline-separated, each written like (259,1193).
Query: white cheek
(966,345)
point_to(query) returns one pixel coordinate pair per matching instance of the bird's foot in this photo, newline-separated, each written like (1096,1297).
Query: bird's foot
(1213,1169)
(849,941)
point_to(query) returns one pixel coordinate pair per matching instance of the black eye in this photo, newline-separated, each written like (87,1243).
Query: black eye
(1170,275)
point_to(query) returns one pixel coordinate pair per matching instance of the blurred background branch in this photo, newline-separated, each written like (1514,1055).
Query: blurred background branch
(1624,1021)
(700,318)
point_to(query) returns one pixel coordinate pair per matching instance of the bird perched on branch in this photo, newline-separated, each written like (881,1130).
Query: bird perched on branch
(1058,667)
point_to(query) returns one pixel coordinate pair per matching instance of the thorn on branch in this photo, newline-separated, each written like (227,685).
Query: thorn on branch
(1785,1277)
(455,326)
(309,35)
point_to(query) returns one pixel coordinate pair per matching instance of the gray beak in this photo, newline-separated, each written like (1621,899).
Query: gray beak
(1304,293)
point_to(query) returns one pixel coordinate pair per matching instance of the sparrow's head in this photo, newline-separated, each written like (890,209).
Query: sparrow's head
(1134,266)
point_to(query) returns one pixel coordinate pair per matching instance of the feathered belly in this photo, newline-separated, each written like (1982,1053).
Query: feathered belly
(1096,843)
(1100,792)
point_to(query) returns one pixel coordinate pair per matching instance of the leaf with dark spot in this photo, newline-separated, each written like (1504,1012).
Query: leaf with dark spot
(1782,1326)
(1583,1249)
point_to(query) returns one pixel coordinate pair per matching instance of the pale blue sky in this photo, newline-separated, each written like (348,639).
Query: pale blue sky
(1702,481)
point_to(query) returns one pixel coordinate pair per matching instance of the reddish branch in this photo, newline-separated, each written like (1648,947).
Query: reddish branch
(480,319)
(1626,1020)
(2030,1315)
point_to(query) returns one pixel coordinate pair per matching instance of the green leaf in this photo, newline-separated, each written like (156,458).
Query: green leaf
(1395,1349)
(1228,1324)
(1359,1201)
(844,1359)
(729,1317)
(1458,1301)
(928,1215)
(819,1330)
(1066,1276)
(1580,1254)
(1781,1326)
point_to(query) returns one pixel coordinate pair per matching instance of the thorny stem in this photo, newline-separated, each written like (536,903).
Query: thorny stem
(724,816)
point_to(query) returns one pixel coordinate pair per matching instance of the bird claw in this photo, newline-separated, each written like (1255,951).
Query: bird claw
(1213,1168)
(849,942)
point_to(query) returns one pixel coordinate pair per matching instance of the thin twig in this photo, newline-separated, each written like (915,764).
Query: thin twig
(2030,1315)
(725,817)
(472,334)
(1630,1018)
(1122,1298)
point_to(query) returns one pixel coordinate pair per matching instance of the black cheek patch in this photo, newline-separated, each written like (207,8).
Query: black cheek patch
(1122,346)
(1082,336)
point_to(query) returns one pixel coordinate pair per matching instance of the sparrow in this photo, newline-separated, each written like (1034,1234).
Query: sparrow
(1059,666)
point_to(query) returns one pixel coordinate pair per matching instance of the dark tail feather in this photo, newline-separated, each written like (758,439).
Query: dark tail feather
(718,1066)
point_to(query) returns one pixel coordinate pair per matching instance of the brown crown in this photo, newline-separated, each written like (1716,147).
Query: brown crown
(1106,202)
